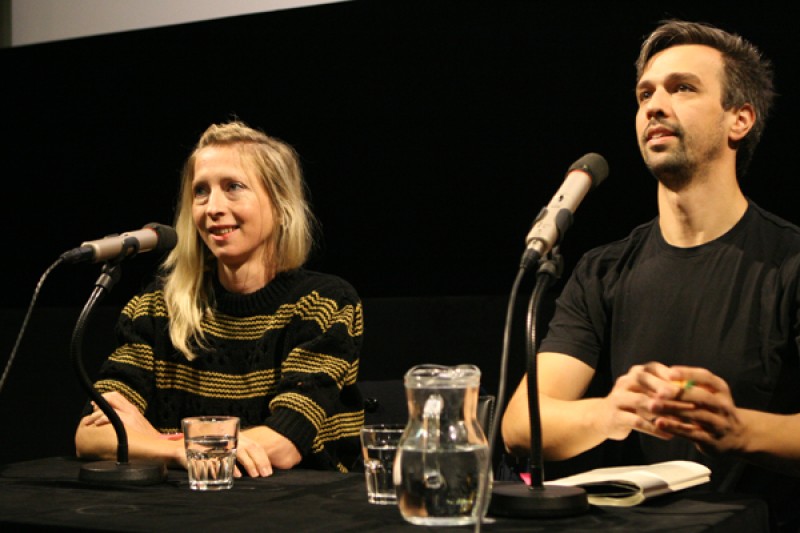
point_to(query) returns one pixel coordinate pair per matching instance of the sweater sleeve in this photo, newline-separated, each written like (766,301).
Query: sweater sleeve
(315,402)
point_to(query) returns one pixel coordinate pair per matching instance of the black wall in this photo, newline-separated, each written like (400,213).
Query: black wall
(431,134)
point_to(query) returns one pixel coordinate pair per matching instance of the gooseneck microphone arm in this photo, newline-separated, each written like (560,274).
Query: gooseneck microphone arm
(512,498)
(122,471)
(550,269)
(104,284)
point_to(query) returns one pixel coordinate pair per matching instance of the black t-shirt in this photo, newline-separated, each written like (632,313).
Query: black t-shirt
(731,306)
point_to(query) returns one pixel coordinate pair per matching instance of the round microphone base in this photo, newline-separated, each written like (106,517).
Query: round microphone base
(131,473)
(521,501)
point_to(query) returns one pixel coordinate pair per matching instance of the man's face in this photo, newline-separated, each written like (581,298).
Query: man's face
(681,126)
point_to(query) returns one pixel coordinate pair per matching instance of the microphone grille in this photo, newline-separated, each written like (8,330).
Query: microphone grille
(167,236)
(593,164)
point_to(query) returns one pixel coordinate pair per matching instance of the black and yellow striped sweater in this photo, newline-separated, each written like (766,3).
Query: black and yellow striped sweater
(286,357)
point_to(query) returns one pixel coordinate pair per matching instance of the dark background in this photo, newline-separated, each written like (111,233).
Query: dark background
(431,133)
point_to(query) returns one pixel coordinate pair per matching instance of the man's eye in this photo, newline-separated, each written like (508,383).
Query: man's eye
(644,95)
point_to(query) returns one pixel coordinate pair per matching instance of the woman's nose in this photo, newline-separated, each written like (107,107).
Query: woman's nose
(216,204)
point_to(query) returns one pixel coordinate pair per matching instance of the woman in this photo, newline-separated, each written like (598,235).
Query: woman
(235,326)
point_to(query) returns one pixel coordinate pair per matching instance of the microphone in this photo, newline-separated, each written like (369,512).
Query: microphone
(510,498)
(152,236)
(554,220)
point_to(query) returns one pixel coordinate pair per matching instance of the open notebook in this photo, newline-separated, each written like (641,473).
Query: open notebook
(624,486)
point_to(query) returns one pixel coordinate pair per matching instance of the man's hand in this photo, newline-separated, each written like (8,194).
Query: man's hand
(631,406)
(711,419)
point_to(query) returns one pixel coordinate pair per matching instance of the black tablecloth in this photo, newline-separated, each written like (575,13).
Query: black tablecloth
(47,493)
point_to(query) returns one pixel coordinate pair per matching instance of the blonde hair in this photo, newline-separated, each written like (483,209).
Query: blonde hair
(187,289)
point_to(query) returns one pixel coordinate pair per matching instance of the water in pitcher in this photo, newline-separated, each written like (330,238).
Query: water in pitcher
(442,472)
(442,489)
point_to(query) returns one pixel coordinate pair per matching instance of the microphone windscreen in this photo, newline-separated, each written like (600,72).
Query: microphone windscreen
(593,164)
(167,236)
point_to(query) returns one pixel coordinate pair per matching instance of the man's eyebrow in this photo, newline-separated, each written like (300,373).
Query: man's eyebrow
(672,77)
(684,76)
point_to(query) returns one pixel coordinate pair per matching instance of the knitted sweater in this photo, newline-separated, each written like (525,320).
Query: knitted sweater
(285,356)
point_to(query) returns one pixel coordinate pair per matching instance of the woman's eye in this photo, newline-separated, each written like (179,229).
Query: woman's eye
(199,191)
(235,186)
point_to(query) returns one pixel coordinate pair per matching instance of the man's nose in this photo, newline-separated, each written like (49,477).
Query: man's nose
(658,104)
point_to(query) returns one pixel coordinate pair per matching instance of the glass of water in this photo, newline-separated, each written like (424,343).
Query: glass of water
(210,450)
(379,447)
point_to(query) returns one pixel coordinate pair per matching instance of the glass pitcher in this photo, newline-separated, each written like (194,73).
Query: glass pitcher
(441,472)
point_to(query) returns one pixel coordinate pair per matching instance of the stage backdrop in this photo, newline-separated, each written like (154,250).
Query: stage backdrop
(431,134)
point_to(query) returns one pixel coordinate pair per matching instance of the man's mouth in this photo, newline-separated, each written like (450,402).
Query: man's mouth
(658,131)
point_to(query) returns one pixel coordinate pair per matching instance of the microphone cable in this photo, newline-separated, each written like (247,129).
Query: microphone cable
(26,319)
(484,497)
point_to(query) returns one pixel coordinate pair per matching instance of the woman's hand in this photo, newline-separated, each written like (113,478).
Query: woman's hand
(131,417)
(252,457)
(95,438)
(279,451)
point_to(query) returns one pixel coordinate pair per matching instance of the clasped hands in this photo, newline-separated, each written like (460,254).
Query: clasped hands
(677,401)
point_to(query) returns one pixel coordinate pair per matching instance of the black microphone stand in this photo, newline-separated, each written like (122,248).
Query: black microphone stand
(537,499)
(121,471)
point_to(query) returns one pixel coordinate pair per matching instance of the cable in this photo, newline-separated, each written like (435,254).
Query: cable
(26,319)
(501,391)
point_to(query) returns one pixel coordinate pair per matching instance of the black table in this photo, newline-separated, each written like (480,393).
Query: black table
(46,493)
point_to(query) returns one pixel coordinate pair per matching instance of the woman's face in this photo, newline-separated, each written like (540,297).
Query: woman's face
(232,210)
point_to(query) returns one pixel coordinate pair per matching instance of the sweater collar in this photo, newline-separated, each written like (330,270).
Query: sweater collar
(258,302)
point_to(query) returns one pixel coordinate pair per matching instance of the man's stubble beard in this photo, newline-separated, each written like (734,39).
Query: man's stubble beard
(674,171)
(676,168)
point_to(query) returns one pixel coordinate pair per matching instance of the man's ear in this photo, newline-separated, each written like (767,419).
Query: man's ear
(743,120)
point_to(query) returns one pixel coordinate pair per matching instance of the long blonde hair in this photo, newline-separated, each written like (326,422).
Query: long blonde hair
(186,281)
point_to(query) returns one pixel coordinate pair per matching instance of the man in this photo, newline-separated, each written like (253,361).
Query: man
(695,315)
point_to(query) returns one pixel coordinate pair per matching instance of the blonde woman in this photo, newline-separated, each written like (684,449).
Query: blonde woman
(235,325)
